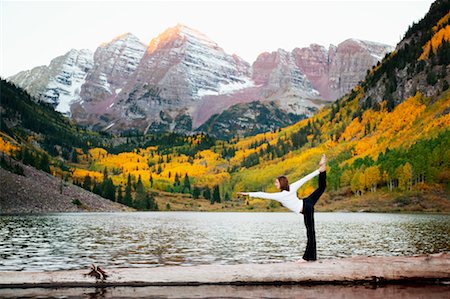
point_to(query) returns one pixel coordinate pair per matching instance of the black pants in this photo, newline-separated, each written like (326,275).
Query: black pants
(308,216)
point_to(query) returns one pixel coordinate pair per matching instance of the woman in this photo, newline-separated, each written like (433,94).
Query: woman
(288,198)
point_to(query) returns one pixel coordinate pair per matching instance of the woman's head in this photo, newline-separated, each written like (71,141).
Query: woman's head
(282,183)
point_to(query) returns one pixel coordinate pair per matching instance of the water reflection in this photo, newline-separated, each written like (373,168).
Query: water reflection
(285,291)
(73,241)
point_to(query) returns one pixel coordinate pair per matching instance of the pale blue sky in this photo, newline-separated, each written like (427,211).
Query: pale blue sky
(34,32)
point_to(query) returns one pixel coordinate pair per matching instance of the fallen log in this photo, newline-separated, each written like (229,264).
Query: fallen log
(425,269)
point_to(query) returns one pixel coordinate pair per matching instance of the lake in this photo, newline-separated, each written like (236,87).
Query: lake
(144,239)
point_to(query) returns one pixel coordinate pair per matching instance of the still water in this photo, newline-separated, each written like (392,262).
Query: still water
(75,240)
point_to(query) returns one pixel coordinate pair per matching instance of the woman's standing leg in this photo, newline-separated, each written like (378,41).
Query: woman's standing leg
(308,217)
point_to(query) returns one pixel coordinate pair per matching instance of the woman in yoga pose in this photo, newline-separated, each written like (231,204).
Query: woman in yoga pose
(288,198)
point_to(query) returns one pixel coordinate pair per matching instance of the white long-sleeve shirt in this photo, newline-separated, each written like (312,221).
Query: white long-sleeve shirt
(289,198)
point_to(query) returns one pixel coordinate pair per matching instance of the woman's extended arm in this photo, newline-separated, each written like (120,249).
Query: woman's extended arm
(295,186)
(275,196)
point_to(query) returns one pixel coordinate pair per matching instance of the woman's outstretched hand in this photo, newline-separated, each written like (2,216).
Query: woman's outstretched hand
(323,163)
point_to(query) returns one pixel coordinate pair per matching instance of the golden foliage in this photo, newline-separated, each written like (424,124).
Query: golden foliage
(5,144)
(79,174)
(444,20)
(435,42)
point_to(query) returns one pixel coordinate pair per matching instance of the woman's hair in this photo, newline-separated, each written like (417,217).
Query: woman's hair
(284,184)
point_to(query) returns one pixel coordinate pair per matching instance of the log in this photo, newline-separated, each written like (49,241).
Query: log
(426,269)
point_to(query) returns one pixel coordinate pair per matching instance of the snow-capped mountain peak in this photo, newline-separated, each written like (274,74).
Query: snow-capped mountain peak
(183,77)
(60,82)
(176,36)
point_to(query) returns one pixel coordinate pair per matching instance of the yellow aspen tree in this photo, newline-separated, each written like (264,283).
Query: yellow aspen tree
(372,177)
(357,183)
(346,178)
(401,177)
(407,175)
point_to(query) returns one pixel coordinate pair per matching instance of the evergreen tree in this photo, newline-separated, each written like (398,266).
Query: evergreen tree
(186,183)
(44,163)
(128,200)
(96,188)
(151,181)
(196,192)
(177,180)
(227,196)
(74,158)
(140,195)
(120,195)
(109,190)
(207,193)
(216,194)
(431,77)
(105,174)
(150,203)
(87,183)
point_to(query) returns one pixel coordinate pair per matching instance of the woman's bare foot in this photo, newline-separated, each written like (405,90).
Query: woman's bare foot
(323,163)
(301,261)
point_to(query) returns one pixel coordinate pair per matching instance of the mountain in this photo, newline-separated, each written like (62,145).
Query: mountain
(299,83)
(335,71)
(114,63)
(179,67)
(248,119)
(182,78)
(59,83)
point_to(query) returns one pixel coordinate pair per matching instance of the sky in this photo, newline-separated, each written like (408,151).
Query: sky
(35,32)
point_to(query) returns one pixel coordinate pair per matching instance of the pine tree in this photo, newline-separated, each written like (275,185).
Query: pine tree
(207,193)
(196,192)
(119,195)
(97,188)
(150,203)
(186,183)
(140,195)
(109,190)
(74,158)
(105,174)
(87,183)
(227,196)
(216,195)
(128,200)
(44,163)
(177,180)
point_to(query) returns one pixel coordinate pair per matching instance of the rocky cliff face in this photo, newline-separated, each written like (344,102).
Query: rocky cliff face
(336,71)
(114,63)
(59,83)
(183,78)
(180,67)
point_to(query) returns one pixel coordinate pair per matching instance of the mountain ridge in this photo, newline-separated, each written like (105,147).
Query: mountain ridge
(185,75)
